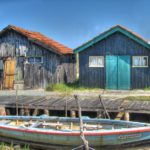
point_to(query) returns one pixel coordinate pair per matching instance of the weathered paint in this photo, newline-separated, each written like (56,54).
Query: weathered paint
(116,44)
(111,72)
(54,69)
(109,32)
(118,72)
(96,138)
(124,65)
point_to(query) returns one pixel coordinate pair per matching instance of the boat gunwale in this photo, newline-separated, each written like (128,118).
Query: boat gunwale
(69,119)
(77,133)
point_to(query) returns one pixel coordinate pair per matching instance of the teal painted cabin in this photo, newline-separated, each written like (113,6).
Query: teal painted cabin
(116,59)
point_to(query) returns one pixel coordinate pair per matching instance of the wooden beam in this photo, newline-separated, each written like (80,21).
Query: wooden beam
(85,142)
(127,116)
(106,112)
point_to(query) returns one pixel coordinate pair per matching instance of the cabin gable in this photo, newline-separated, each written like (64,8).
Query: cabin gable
(111,31)
(116,44)
(49,67)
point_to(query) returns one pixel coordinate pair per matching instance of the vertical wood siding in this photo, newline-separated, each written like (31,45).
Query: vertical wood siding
(53,69)
(116,44)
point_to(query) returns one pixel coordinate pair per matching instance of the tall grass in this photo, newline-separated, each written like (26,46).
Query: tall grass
(68,87)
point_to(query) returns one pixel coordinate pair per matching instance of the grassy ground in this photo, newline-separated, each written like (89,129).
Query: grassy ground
(138,98)
(147,88)
(69,88)
(4,146)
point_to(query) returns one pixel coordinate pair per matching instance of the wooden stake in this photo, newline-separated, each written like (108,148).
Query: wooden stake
(17,104)
(17,100)
(27,112)
(35,112)
(73,113)
(126,116)
(66,108)
(85,142)
(106,112)
(22,112)
(7,112)
(46,112)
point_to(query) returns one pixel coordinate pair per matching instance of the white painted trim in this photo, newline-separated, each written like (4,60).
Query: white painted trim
(95,66)
(34,59)
(139,66)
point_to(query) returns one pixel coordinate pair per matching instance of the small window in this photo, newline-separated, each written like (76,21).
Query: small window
(96,61)
(33,60)
(38,60)
(140,61)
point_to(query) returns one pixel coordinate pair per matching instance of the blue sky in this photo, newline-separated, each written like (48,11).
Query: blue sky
(73,22)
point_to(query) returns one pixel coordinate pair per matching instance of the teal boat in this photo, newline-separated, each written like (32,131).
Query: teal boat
(65,131)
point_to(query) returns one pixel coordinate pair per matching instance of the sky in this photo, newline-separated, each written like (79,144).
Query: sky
(73,22)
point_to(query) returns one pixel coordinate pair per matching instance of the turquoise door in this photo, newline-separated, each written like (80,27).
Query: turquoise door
(111,72)
(118,72)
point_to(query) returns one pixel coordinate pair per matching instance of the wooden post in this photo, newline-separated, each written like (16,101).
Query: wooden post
(35,112)
(22,112)
(2,111)
(106,112)
(99,114)
(7,112)
(46,112)
(27,112)
(86,145)
(17,104)
(66,108)
(73,113)
(17,100)
(126,116)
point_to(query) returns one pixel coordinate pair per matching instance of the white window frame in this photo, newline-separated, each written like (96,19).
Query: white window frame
(96,66)
(36,62)
(139,66)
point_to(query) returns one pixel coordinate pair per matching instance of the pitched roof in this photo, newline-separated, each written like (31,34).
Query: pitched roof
(117,28)
(41,39)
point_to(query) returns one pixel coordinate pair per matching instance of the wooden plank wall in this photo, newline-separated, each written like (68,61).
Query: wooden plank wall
(116,44)
(53,69)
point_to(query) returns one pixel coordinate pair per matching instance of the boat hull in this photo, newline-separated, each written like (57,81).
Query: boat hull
(72,139)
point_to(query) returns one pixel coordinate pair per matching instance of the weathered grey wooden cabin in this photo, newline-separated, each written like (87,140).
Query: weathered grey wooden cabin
(115,59)
(33,60)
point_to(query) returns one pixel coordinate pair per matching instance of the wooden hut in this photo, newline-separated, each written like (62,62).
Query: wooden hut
(33,60)
(116,59)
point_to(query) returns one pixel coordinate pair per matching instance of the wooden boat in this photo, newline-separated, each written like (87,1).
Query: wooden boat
(63,131)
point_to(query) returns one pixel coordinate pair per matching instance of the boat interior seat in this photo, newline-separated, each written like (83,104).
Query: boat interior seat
(92,127)
(53,125)
(34,125)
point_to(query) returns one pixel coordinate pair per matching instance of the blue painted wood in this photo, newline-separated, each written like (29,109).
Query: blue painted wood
(107,33)
(111,72)
(118,72)
(70,119)
(128,133)
(116,44)
(124,72)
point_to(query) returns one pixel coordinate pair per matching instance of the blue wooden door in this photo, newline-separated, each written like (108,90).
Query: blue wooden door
(111,72)
(118,72)
(124,72)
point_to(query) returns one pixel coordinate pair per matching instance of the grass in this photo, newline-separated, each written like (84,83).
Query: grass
(147,88)
(138,98)
(4,146)
(68,87)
